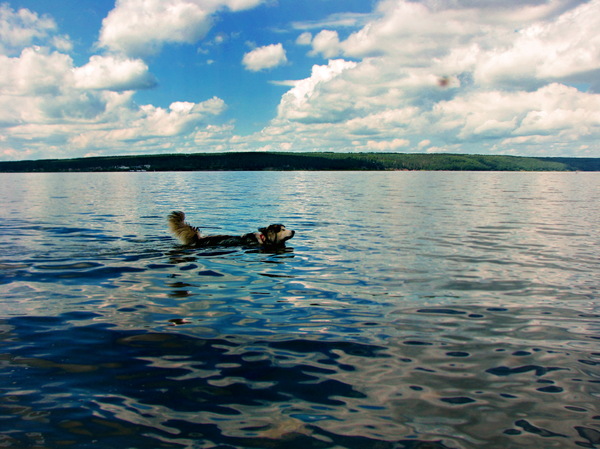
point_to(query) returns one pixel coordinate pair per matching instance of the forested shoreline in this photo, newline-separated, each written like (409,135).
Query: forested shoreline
(241,161)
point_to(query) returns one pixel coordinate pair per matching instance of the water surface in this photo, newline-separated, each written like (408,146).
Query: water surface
(411,310)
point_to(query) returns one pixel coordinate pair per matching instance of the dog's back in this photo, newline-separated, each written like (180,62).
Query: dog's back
(188,235)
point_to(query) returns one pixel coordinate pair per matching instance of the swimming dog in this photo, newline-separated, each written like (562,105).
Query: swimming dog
(274,235)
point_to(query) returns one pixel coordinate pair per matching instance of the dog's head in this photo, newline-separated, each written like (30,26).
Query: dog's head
(275,234)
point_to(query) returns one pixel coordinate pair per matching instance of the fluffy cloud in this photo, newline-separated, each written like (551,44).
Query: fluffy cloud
(41,87)
(87,123)
(393,145)
(552,109)
(139,28)
(336,20)
(19,29)
(567,48)
(113,73)
(514,43)
(50,106)
(298,104)
(151,124)
(326,43)
(462,76)
(35,71)
(456,75)
(304,39)
(266,57)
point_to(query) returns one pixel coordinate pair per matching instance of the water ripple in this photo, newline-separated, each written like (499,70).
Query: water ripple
(411,310)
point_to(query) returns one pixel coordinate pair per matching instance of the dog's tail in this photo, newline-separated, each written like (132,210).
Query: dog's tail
(188,235)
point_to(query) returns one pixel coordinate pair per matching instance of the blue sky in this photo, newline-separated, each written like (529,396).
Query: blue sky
(98,77)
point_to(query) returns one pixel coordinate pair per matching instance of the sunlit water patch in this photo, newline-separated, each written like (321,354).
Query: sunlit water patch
(411,310)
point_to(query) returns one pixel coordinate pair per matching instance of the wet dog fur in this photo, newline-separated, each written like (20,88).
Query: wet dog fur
(274,235)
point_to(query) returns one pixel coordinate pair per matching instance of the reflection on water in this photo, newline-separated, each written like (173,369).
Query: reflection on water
(411,310)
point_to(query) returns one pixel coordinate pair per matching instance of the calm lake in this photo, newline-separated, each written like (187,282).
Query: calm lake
(411,310)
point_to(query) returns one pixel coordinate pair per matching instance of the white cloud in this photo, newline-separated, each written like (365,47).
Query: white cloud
(266,57)
(151,122)
(424,143)
(519,76)
(44,88)
(139,28)
(119,126)
(214,138)
(410,31)
(551,109)
(337,20)
(393,145)
(298,103)
(495,41)
(451,76)
(326,43)
(19,29)
(113,73)
(305,38)
(50,108)
(288,83)
(563,49)
(36,72)
(233,5)
(62,43)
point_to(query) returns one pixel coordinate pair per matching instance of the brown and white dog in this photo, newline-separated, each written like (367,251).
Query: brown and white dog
(274,235)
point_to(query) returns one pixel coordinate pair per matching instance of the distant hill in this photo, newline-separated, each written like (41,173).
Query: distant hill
(303,161)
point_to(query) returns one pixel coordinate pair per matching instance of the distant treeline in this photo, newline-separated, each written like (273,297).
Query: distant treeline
(303,161)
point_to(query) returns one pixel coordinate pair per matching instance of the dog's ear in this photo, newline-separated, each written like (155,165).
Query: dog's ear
(262,230)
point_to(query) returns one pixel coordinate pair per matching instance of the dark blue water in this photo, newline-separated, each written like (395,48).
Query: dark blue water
(411,310)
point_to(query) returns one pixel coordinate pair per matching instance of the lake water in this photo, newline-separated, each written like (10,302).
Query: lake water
(411,310)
